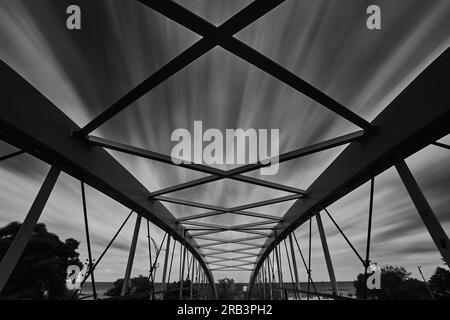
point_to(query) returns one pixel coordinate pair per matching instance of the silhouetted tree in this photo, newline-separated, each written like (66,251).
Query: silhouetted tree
(440,284)
(41,270)
(396,284)
(140,286)
(173,290)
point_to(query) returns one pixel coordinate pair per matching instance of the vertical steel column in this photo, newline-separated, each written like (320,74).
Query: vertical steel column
(151,275)
(326,253)
(272,265)
(263,275)
(126,280)
(280,276)
(432,224)
(88,240)
(197,280)
(182,273)
(290,271)
(192,277)
(171,263)
(150,252)
(14,252)
(256,286)
(309,257)
(200,285)
(369,232)
(260,284)
(294,263)
(270,280)
(305,265)
(203,285)
(166,260)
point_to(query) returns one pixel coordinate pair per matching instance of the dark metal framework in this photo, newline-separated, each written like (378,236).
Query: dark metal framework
(380,145)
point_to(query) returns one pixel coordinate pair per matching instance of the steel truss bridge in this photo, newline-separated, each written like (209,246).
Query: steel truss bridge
(416,118)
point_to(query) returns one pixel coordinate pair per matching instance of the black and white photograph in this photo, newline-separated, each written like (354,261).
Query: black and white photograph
(225,155)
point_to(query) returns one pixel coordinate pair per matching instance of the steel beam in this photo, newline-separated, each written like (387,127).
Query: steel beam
(126,279)
(295,154)
(217,174)
(227,210)
(197,24)
(88,240)
(378,150)
(234,265)
(182,274)
(442,145)
(432,224)
(166,260)
(233,25)
(294,265)
(267,202)
(233,259)
(86,276)
(11,155)
(231,269)
(250,247)
(204,246)
(369,233)
(231,241)
(49,140)
(14,252)
(326,253)
(216,213)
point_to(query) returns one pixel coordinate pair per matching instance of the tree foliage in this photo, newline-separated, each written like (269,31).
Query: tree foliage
(173,290)
(41,270)
(396,284)
(440,284)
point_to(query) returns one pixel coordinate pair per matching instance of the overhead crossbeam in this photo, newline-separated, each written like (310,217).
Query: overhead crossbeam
(230,266)
(216,226)
(240,212)
(11,155)
(230,27)
(243,256)
(216,174)
(206,29)
(236,230)
(228,252)
(227,210)
(233,250)
(228,259)
(230,241)
(291,155)
(442,145)
(231,269)
(214,244)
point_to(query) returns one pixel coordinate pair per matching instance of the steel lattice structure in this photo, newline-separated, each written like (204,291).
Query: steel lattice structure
(419,116)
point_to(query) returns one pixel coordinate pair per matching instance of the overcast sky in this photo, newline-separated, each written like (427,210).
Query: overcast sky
(325,42)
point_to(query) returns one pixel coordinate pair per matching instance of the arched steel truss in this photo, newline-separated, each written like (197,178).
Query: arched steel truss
(420,115)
